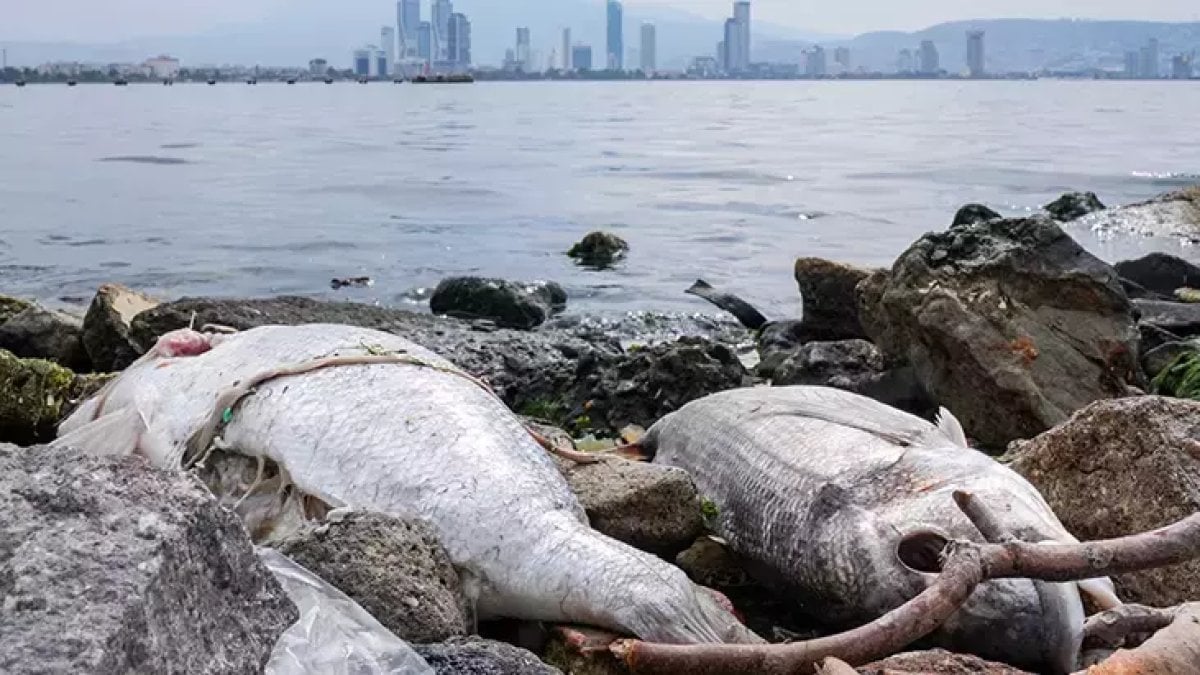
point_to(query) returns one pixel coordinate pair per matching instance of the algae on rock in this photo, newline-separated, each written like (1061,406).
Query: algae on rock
(10,307)
(35,395)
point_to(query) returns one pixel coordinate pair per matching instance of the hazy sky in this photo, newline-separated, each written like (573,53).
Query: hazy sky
(106,20)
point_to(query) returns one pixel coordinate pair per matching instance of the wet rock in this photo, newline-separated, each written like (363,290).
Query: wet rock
(1158,359)
(599,249)
(1010,324)
(1180,319)
(35,395)
(650,507)
(38,333)
(475,656)
(643,385)
(110,566)
(828,291)
(937,662)
(974,213)
(869,300)
(106,327)
(1172,214)
(1160,273)
(777,341)
(846,364)
(1074,205)
(10,307)
(508,303)
(394,569)
(1124,467)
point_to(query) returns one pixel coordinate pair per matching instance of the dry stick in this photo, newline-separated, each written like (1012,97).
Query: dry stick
(1174,650)
(1110,628)
(967,565)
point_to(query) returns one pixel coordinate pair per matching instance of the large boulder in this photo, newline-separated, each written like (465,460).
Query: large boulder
(599,250)
(39,333)
(937,662)
(1172,214)
(110,566)
(35,395)
(509,304)
(10,307)
(1124,467)
(476,656)
(1160,273)
(1010,324)
(828,291)
(1161,320)
(650,507)
(106,327)
(1074,205)
(394,569)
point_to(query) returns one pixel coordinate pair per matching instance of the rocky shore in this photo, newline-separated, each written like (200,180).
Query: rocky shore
(1083,376)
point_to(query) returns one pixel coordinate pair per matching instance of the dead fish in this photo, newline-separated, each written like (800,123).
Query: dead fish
(848,504)
(741,310)
(403,432)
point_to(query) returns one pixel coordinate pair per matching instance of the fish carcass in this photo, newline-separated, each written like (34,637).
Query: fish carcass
(393,428)
(848,503)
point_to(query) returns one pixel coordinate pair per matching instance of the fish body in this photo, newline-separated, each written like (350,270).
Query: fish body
(419,440)
(848,503)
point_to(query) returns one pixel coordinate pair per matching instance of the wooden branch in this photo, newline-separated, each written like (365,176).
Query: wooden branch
(1110,628)
(1174,650)
(966,566)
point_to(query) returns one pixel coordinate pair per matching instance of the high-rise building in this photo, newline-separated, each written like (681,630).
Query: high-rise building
(387,36)
(930,60)
(841,56)
(380,64)
(442,9)
(649,48)
(1149,67)
(1133,64)
(741,14)
(905,62)
(318,67)
(975,54)
(722,59)
(523,53)
(733,47)
(616,35)
(408,23)
(458,40)
(566,49)
(425,41)
(362,62)
(815,63)
(581,57)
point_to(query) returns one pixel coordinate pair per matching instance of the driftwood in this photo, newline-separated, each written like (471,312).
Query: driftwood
(966,565)
(1111,628)
(1174,650)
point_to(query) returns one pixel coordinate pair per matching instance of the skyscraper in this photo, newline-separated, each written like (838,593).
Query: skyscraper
(387,36)
(741,14)
(425,41)
(1149,60)
(733,47)
(566,53)
(1133,64)
(904,61)
(523,54)
(841,56)
(581,57)
(649,48)
(442,9)
(616,35)
(362,62)
(975,60)
(931,61)
(814,62)
(408,22)
(458,40)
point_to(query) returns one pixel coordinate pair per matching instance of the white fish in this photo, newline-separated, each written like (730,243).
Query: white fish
(419,441)
(848,503)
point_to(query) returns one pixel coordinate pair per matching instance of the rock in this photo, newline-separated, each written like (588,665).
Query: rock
(937,662)
(643,385)
(974,213)
(869,300)
(38,333)
(1181,319)
(475,656)
(1074,205)
(509,304)
(10,307)
(845,364)
(35,395)
(1124,467)
(599,250)
(1160,273)
(394,569)
(583,651)
(1158,359)
(106,327)
(110,566)
(1172,214)
(828,291)
(650,507)
(776,342)
(1010,324)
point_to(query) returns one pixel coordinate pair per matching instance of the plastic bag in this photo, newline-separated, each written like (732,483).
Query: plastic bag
(334,636)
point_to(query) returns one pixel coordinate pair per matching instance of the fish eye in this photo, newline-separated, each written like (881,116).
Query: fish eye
(922,551)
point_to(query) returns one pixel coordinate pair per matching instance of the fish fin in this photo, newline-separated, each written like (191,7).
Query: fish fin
(951,428)
(116,434)
(1101,592)
(851,410)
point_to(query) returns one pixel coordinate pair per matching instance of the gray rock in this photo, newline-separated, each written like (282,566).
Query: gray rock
(650,507)
(508,303)
(1181,319)
(1158,359)
(1174,214)
(110,566)
(1160,274)
(828,291)
(1124,467)
(776,342)
(38,333)
(1074,205)
(476,656)
(875,322)
(974,213)
(1010,324)
(106,327)
(394,569)
(937,662)
(10,307)
(846,364)
(599,250)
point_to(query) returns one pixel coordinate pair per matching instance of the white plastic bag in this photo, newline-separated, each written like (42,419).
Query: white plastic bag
(334,636)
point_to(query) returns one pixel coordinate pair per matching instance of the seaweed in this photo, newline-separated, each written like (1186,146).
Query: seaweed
(1181,379)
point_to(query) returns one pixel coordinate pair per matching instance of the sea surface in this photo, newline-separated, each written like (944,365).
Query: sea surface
(274,189)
